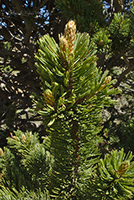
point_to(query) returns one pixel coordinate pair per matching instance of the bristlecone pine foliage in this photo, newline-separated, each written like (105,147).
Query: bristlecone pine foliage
(67,164)
(74,94)
(79,91)
(116,176)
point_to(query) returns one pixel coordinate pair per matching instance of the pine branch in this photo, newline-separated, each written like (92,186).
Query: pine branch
(129,69)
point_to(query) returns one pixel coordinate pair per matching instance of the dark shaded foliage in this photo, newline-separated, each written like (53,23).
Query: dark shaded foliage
(21,25)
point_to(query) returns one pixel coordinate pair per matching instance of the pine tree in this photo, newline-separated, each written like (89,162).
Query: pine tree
(114,40)
(68,163)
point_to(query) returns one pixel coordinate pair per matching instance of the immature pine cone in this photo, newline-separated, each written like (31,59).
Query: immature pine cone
(69,33)
(48,96)
(64,47)
(123,167)
(107,80)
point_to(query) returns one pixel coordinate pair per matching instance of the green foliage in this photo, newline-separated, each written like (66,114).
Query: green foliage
(101,39)
(6,194)
(71,162)
(111,178)
(68,163)
(114,177)
(25,162)
(120,32)
(74,93)
(72,82)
